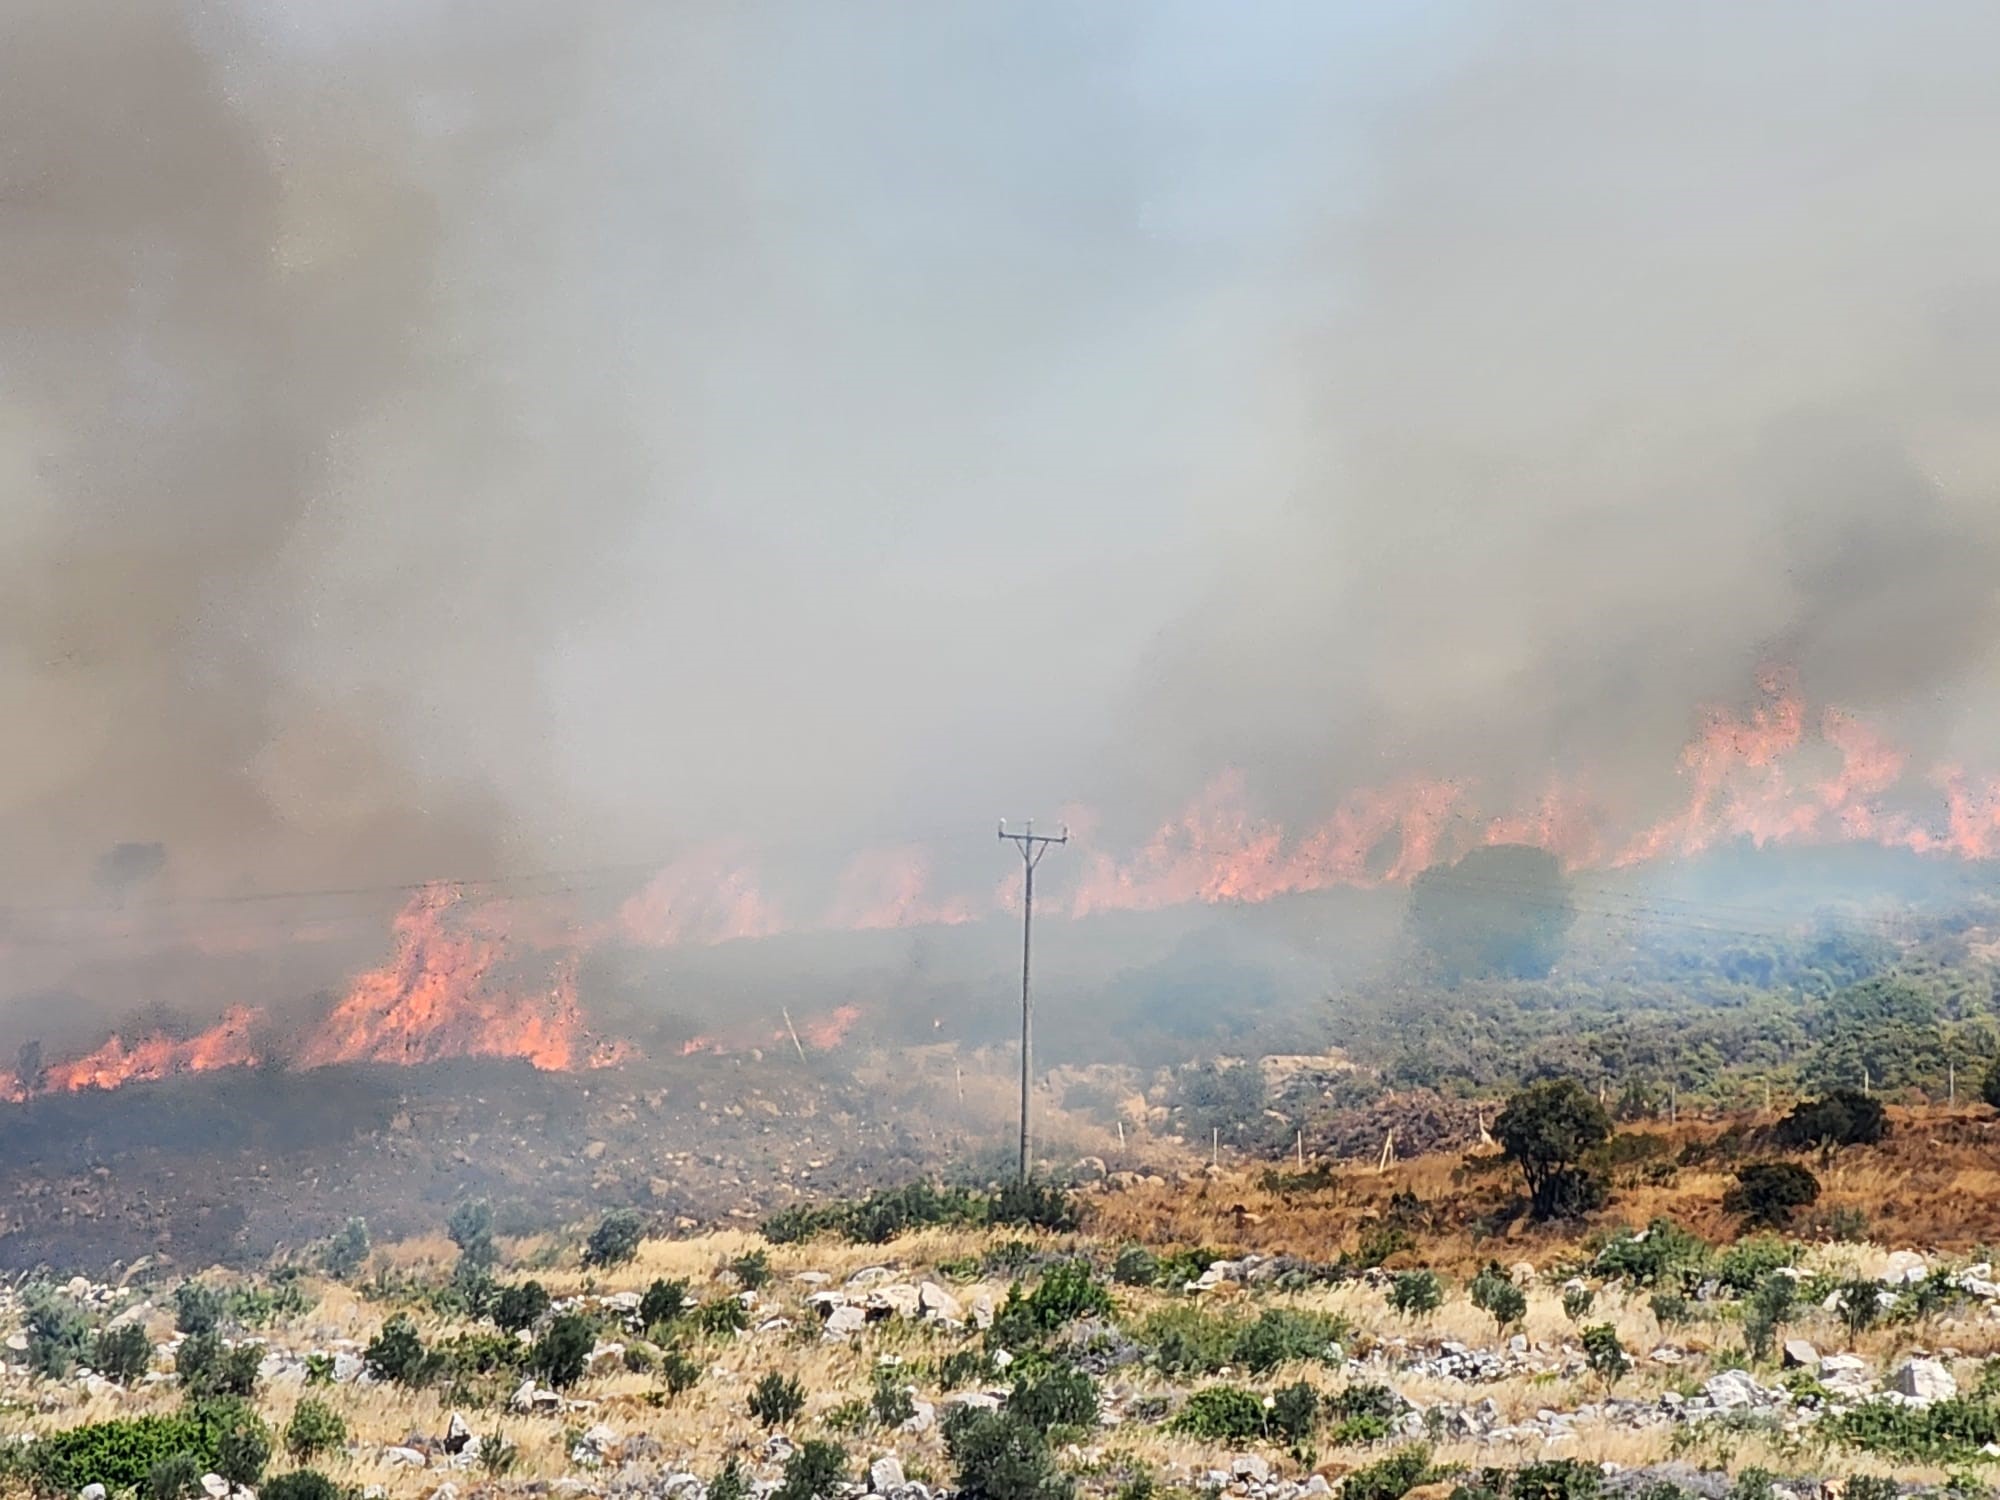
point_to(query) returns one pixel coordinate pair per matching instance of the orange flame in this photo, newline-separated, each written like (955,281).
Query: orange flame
(886,888)
(432,1000)
(703,899)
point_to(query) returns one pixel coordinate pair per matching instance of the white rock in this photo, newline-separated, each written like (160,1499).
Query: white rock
(524,1395)
(91,1492)
(1800,1354)
(842,1321)
(922,1418)
(939,1304)
(1250,1467)
(1732,1390)
(403,1458)
(899,1298)
(869,1274)
(1925,1381)
(214,1485)
(886,1474)
(1903,1268)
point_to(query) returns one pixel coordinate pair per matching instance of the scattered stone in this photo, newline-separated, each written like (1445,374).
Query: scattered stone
(1801,1355)
(1250,1467)
(404,1458)
(1904,1268)
(938,1304)
(91,1492)
(1924,1381)
(1733,1390)
(886,1474)
(844,1320)
(456,1434)
(214,1486)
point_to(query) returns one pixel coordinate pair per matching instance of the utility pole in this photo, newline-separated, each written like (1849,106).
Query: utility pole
(1033,846)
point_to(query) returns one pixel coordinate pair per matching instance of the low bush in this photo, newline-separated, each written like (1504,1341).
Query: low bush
(561,1354)
(300,1484)
(815,1472)
(1493,1292)
(122,1354)
(663,1302)
(397,1353)
(1221,1414)
(1768,1193)
(315,1428)
(776,1399)
(520,1305)
(1416,1294)
(1390,1478)
(119,1455)
(615,1240)
(1057,1397)
(1000,1457)
(1840,1117)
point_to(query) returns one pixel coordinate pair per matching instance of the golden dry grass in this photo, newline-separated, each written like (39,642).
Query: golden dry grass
(1932,1185)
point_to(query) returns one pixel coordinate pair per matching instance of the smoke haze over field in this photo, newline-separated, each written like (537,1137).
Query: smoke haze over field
(437,437)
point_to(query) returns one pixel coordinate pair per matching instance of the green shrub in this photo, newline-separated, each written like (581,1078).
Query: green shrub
(208,1367)
(777,1399)
(499,1456)
(345,1252)
(1057,1397)
(122,1354)
(1606,1355)
(663,1302)
(470,1227)
(300,1484)
(397,1353)
(721,1315)
(1660,1255)
(752,1270)
(1281,1335)
(815,1472)
(119,1455)
(198,1308)
(477,1353)
(520,1306)
(242,1451)
(1770,1192)
(1745,1265)
(1000,1457)
(678,1373)
(1493,1292)
(1670,1308)
(1950,1431)
(1363,1412)
(1859,1303)
(1136,1266)
(1294,1414)
(560,1355)
(1221,1414)
(175,1477)
(58,1332)
(1840,1117)
(1577,1301)
(315,1428)
(1390,1478)
(1034,1205)
(891,1403)
(1556,1479)
(1416,1294)
(1066,1292)
(615,1240)
(731,1483)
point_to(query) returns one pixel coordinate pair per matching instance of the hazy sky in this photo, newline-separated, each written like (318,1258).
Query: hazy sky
(444,436)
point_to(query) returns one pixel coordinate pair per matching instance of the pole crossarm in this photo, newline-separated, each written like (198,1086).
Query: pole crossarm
(1033,846)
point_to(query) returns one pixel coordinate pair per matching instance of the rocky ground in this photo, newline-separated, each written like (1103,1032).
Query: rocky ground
(886,1341)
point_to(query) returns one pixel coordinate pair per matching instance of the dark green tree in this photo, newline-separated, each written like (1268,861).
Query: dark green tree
(1547,1130)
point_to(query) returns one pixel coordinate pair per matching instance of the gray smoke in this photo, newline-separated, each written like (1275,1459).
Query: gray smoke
(438,437)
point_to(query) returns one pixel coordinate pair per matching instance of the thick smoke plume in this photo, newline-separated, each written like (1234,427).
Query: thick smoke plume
(441,438)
